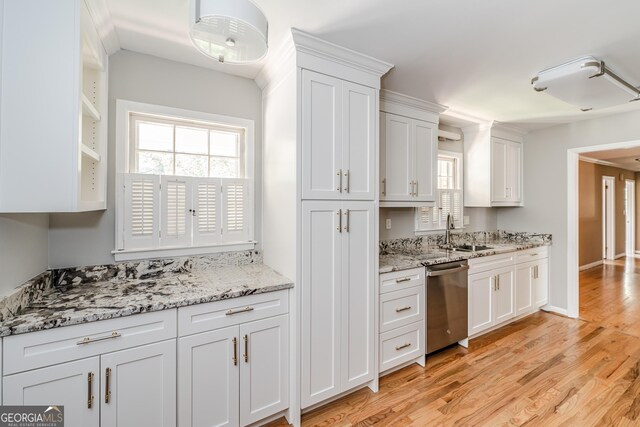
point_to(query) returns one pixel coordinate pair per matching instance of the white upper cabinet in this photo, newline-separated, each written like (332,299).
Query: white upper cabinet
(408,150)
(338,138)
(53,109)
(493,166)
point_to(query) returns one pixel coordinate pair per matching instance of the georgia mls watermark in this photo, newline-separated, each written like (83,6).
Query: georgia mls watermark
(32,416)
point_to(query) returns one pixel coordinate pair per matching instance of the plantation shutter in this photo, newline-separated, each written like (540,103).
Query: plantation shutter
(235,215)
(207,202)
(176,211)
(141,211)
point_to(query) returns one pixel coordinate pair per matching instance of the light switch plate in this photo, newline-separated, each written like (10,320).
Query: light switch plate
(388,224)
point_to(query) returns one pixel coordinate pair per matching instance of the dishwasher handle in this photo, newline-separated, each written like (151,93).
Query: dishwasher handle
(436,273)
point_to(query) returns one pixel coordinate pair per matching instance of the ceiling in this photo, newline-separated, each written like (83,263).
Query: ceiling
(475,57)
(624,158)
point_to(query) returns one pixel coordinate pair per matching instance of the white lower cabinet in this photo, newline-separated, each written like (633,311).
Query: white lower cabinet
(338,342)
(139,386)
(234,375)
(75,385)
(505,287)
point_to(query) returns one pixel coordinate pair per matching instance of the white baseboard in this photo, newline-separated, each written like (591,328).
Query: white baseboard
(557,310)
(592,265)
(622,255)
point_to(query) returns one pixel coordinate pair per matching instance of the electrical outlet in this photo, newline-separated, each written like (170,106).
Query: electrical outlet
(388,223)
(465,220)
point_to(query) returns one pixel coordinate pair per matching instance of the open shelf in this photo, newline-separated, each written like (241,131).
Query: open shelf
(89,152)
(88,109)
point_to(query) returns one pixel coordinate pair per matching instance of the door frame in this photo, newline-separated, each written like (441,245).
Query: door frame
(608,217)
(573,157)
(630,213)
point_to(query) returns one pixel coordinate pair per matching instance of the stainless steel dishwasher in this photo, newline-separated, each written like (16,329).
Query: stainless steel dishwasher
(446,304)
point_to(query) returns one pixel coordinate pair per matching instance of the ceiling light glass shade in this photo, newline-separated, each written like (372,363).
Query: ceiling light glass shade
(232,31)
(586,83)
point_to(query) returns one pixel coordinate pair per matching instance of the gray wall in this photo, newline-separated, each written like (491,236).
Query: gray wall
(23,249)
(89,238)
(403,221)
(545,184)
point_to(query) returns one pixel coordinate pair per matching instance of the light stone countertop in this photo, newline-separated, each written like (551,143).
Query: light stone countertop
(100,300)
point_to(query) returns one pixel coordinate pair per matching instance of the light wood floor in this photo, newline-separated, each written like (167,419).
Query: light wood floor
(544,370)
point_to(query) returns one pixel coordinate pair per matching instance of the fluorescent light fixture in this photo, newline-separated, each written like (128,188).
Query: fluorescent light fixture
(586,83)
(232,31)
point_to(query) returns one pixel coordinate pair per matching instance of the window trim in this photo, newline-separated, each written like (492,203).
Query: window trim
(459,179)
(124,109)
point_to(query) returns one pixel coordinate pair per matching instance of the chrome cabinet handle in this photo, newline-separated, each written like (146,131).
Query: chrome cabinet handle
(498,277)
(90,390)
(411,190)
(400,347)
(347,174)
(242,310)
(107,386)
(416,192)
(404,279)
(246,349)
(339,173)
(339,220)
(398,310)
(89,340)
(235,351)
(348,214)
(384,186)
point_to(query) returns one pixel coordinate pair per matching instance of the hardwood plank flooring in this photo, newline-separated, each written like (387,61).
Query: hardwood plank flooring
(543,370)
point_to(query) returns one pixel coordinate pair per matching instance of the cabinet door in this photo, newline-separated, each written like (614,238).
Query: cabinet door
(524,288)
(514,173)
(399,159)
(264,368)
(358,252)
(499,180)
(426,158)
(209,379)
(358,141)
(481,301)
(504,306)
(321,300)
(541,283)
(321,137)
(139,386)
(66,384)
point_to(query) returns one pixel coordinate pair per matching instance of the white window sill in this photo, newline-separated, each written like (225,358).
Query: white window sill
(436,231)
(137,254)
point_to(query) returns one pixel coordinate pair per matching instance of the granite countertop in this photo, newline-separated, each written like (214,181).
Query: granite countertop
(404,254)
(77,303)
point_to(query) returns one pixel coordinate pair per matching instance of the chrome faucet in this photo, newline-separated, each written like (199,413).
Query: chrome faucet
(450,226)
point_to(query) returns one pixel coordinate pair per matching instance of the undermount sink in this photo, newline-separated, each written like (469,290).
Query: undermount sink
(470,248)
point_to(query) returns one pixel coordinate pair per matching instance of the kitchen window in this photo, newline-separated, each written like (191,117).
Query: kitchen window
(184,182)
(448,195)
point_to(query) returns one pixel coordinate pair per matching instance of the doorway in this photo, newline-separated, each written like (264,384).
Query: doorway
(630,216)
(608,218)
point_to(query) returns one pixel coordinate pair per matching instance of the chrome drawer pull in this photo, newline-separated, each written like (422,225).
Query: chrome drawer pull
(89,340)
(533,254)
(405,279)
(400,347)
(398,310)
(242,310)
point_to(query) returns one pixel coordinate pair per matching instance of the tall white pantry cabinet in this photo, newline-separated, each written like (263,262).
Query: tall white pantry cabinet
(320,210)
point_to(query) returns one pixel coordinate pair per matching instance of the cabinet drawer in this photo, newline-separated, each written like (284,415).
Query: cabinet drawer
(401,308)
(401,345)
(43,348)
(404,279)
(220,314)
(478,265)
(532,254)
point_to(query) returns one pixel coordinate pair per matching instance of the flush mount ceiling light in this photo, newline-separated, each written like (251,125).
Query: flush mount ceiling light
(586,83)
(232,31)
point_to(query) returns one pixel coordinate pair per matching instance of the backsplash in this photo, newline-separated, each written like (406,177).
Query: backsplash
(25,294)
(148,269)
(412,244)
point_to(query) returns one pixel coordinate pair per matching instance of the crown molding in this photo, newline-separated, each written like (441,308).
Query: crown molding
(387,96)
(312,45)
(101,16)
(583,158)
